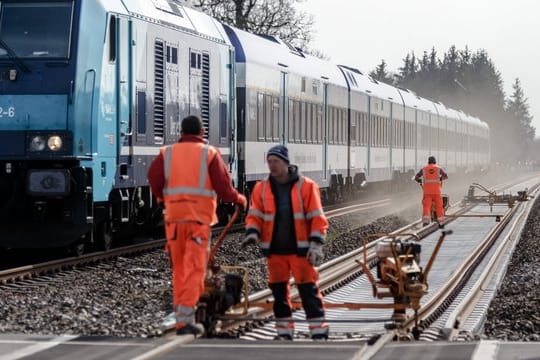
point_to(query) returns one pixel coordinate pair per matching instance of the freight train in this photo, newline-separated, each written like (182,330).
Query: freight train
(91,89)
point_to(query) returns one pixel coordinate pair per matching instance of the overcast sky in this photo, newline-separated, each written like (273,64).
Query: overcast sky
(362,32)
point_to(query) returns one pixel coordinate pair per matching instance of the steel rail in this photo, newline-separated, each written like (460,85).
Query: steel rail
(464,309)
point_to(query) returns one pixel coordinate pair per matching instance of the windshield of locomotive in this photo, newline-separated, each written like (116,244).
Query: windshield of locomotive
(35,29)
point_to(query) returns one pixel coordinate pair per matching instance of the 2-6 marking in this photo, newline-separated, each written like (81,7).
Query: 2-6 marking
(9,112)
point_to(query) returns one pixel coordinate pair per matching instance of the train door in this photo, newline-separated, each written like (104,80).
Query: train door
(229,107)
(325,133)
(123,94)
(283,108)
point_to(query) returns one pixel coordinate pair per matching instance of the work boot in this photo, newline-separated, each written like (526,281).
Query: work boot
(441,226)
(425,224)
(319,337)
(193,329)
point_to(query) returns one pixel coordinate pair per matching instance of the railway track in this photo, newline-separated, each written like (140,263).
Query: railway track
(339,276)
(34,270)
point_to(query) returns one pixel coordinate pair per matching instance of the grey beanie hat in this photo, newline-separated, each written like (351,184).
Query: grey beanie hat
(280,151)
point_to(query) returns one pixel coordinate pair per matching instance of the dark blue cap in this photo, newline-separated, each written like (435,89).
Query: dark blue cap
(280,151)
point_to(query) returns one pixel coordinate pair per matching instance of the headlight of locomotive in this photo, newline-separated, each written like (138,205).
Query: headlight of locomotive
(54,143)
(37,143)
(49,143)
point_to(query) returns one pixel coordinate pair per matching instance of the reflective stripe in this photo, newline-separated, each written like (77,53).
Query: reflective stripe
(314,322)
(319,330)
(254,227)
(285,323)
(189,190)
(285,326)
(204,167)
(253,236)
(299,216)
(430,181)
(426,217)
(318,234)
(262,192)
(314,213)
(317,326)
(264,245)
(302,243)
(261,215)
(185,314)
(300,202)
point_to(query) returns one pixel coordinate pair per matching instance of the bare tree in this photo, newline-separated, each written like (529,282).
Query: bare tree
(269,17)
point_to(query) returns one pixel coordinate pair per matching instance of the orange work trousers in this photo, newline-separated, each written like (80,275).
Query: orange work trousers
(188,245)
(280,268)
(305,275)
(439,209)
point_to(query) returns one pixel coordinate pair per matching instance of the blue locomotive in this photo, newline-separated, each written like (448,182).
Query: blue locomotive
(91,89)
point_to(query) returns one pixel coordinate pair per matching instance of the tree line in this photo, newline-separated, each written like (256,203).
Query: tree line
(460,79)
(469,81)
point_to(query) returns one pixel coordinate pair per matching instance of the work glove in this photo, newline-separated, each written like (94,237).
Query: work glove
(251,239)
(314,254)
(241,201)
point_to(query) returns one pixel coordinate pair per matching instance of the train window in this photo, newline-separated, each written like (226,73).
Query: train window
(174,59)
(334,134)
(112,39)
(303,122)
(275,118)
(260,117)
(172,54)
(320,128)
(195,60)
(345,126)
(395,134)
(223,121)
(354,128)
(365,121)
(290,135)
(315,86)
(38,29)
(141,112)
(335,130)
(375,136)
(330,125)
(382,123)
(297,125)
(337,120)
(268,102)
(308,122)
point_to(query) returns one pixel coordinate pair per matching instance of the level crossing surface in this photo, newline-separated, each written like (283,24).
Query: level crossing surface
(30,347)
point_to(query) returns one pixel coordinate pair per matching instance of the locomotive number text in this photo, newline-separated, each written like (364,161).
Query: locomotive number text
(7,112)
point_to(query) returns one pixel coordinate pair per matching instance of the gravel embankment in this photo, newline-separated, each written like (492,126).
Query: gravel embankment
(514,314)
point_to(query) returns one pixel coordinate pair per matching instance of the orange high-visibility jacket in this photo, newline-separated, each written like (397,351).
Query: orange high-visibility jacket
(431,179)
(188,192)
(309,220)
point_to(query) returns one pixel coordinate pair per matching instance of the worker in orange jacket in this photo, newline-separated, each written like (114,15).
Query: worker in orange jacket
(431,178)
(188,177)
(287,220)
